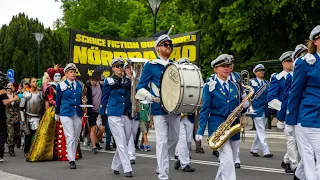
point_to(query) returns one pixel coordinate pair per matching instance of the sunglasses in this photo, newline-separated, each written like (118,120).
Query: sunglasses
(118,65)
(167,45)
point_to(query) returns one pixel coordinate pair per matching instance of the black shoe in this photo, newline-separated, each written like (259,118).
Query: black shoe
(128,174)
(237,165)
(157,173)
(132,161)
(294,173)
(288,169)
(114,146)
(188,169)
(101,141)
(200,150)
(73,165)
(215,153)
(12,154)
(94,151)
(283,165)
(254,154)
(175,157)
(177,164)
(108,148)
(268,155)
(116,172)
(98,146)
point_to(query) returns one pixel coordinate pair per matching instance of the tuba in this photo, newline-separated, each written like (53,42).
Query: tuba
(136,65)
(225,131)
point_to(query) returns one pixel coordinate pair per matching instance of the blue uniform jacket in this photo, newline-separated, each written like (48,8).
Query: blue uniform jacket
(284,104)
(276,91)
(304,97)
(260,105)
(152,72)
(69,100)
(216,106)
(116,97)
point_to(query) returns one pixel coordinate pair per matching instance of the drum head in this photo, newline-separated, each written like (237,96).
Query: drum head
(170,88)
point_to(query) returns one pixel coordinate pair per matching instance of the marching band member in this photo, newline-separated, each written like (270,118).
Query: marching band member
(68,110)
(185,136)
(116,103)
(220,97)
(275,98)
(166,125)
(295,127)
(260,105)
(303,105)
(135,123)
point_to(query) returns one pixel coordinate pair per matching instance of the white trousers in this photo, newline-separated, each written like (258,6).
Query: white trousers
(167,136)
(185,136)
(120,127)
(292,150)
(71,129)
(131,147)
(227,155)
(313,138)
(260,138)
(306,168)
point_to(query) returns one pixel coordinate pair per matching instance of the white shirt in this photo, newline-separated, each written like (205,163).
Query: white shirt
(260,81)
(221,82)
(74,83)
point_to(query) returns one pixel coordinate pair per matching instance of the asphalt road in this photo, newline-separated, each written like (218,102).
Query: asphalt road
(98,166)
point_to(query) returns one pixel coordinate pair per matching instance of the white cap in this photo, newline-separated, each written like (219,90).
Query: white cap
(258,67)
(117,60)
(161,39)
(222,59)
(298,50)
(183,61)
(315,33)
(70,66)
(286,56)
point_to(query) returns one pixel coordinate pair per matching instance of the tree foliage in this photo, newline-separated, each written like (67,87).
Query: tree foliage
(19,48)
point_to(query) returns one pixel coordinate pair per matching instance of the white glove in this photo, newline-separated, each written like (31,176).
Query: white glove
(198,137)
(289,129)
(57,117)
(99,122)
(280,125)
(149,98)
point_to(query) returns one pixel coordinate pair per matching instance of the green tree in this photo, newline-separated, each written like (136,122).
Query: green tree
(18,47)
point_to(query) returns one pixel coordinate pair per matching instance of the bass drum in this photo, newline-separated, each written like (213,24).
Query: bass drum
(181,88)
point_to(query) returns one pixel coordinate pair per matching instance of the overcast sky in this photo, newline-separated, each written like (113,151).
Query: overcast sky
(47,11)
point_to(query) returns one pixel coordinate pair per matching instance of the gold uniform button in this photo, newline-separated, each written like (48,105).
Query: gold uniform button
(227,101)
(75,100)
(122,103)
(75,106)
(74,93)
(122,96)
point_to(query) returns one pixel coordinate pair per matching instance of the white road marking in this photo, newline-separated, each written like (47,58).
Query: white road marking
(210,163)
(9,176)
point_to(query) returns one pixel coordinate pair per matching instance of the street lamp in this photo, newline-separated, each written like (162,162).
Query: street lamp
(39,37)
(154,5)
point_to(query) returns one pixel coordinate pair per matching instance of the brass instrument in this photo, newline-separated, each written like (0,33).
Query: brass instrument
(136,65)
(225,131)
(84,101)
(245,80)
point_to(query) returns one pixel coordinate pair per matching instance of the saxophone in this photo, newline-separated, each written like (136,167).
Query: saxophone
(225,131)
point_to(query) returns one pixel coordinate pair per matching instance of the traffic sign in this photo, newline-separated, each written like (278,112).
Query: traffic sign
(10,73)
(11,80)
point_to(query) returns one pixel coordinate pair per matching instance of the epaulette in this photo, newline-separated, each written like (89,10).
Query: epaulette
(309,58)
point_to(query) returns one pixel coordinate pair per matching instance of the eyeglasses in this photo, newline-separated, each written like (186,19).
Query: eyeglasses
(167,45)
(118,65)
